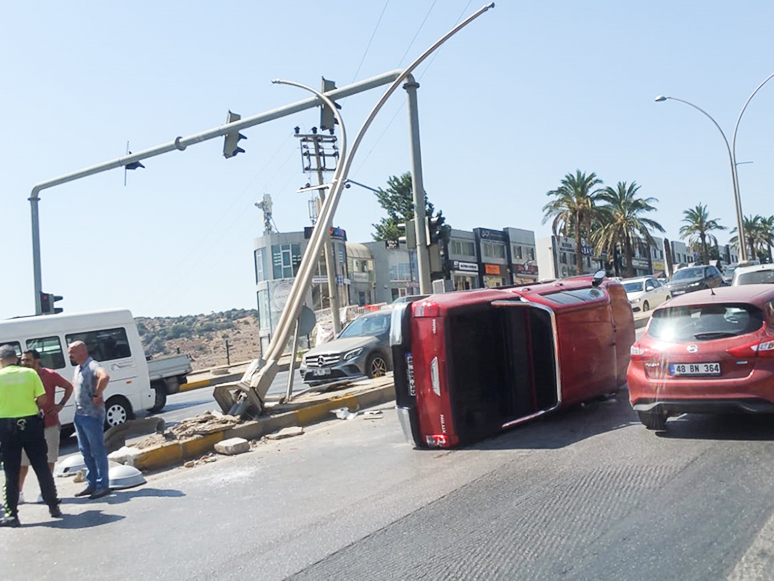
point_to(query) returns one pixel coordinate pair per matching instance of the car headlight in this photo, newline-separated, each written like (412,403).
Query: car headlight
(694,284)
(637,300)
(352,354)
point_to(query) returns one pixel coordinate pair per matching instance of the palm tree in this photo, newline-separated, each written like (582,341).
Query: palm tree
(621,223)
(698,228)
(573,209)
(767,235)
(752,233)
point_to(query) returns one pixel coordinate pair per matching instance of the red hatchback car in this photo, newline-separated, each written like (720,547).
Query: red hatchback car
(710,351)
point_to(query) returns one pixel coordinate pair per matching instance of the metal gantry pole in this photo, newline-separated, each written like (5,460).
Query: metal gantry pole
(180,144)
(420,220)
(257,382)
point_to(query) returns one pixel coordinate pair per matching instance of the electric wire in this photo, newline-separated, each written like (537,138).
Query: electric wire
(373,34)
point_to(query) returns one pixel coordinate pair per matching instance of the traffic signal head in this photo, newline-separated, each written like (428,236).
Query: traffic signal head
(408,234)
(231,141)
(327,118)
(435,227)
(47,301)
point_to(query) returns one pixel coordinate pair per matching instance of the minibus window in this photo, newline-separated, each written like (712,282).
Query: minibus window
(16,346)
(104,344)
(50,349)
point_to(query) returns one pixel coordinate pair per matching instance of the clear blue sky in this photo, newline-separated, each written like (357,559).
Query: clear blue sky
(530,91)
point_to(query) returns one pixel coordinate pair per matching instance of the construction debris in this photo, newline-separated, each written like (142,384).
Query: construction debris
(285,433)
(345,414)
(232,446)
(201,425)
(206,459)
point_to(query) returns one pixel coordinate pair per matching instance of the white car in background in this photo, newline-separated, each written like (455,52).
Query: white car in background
(753,274)
(645,293)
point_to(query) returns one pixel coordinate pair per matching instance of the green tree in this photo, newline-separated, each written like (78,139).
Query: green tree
(573,209)
(698,229)
(398,201)
(753,227)
(621,223)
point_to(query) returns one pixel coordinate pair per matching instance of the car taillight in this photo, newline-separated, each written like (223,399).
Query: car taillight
(638,352)
(759,348)
(426,309)
(437,441)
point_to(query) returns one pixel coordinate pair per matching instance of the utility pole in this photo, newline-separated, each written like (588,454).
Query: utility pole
(318,142)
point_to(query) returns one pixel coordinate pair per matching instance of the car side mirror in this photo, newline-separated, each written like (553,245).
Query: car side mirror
(598,277)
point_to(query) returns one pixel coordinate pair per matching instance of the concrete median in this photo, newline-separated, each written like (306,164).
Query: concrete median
(300,413)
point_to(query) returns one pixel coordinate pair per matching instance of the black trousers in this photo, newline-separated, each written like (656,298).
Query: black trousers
(17,434)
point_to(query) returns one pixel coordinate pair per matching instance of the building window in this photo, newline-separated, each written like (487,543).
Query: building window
(259,276)
(530,253)
(492,250)
(285,259)
(517,252)
(400,271)
(462,248)
(563,258)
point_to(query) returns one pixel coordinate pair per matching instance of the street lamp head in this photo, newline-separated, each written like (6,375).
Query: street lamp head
(661,98)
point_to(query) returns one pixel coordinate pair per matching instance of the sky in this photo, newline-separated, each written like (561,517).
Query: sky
(528,92)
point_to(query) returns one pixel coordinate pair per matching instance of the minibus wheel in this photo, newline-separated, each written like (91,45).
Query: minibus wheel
(117,411)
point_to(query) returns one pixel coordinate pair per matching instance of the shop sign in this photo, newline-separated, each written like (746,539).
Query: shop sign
(465,266)
(492,269)
(525,268)
(487,234)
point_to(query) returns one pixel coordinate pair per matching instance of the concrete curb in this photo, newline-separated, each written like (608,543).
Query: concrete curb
(172,453)
(226,378)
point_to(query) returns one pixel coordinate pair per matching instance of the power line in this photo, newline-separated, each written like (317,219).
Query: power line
(373,34)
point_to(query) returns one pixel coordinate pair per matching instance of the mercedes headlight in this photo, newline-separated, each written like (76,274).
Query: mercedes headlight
(352,354)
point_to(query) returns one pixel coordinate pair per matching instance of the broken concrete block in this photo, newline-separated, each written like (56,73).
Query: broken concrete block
(286,433)
(232,446)
(125,455)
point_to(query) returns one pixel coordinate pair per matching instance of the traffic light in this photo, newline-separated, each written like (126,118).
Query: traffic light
(231,141)
(435,229)
(47,301)
(327,118)
(408,234)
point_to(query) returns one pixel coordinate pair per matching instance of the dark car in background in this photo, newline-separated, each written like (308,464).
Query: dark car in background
(706,352)
(362,349)
(694,278)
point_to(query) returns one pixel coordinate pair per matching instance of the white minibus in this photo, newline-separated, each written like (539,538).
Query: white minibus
(113,341)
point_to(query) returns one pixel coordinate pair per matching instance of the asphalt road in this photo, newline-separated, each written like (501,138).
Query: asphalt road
(585,494)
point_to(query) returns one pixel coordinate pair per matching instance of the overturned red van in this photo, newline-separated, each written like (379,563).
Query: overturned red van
(470,364)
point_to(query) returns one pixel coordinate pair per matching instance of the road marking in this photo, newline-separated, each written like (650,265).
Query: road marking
(758,560)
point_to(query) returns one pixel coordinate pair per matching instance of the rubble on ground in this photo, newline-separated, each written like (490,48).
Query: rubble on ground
(201,425)
(285,433)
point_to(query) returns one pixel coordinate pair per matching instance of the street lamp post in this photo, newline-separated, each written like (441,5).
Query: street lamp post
(732,157)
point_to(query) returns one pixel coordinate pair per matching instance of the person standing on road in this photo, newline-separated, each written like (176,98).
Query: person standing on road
(21,428)
(90,382)
(51,380)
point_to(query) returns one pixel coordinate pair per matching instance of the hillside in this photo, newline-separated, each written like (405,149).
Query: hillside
(203,337)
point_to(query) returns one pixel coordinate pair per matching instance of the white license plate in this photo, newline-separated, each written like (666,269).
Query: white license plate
(323,371)
(694,369)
